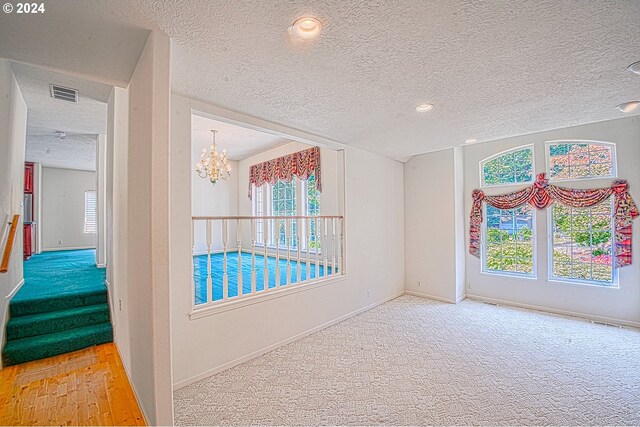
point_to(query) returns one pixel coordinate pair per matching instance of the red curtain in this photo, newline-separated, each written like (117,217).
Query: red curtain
(542,195)
(301,164)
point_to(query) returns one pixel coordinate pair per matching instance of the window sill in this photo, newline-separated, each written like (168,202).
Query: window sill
(507,274)
(581,284)
(212,309)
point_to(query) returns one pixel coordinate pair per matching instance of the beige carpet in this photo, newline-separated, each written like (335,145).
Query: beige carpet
(414,361)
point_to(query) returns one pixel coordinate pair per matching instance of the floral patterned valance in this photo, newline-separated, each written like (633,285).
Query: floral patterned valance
(301,164)
(541,195)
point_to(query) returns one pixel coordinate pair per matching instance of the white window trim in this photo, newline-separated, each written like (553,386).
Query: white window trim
(547,159)
(483,249)
(614,284)
(95,213)
(502,153)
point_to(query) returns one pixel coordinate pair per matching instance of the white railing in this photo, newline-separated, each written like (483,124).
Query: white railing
(229,264)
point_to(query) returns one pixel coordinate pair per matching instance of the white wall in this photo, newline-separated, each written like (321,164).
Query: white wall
(101,201)
(619,305)
(117,206)
(433,261)
(207,199)
(13,128)
(374,249)
(62,219)
(147,228)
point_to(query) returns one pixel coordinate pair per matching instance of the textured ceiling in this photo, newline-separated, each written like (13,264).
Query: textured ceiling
(88,115)
(239,142)
(76,151)
(79,36)
(81,121)
(493,69)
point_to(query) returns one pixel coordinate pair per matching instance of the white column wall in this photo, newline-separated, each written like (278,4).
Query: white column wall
(148,231)
(101,200)
(13,130)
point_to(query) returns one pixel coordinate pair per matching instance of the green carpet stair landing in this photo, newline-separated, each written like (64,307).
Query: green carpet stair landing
(63,306)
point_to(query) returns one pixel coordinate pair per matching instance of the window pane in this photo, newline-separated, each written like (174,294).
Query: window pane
(582,243)
(283,203)
(509,240)
(580,160)
(510,168)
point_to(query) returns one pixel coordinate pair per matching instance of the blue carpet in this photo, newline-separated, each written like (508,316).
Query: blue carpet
(62,307)
(200,274)
(61,272)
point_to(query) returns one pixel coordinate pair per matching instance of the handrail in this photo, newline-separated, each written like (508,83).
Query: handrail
(4,267)
(202,218)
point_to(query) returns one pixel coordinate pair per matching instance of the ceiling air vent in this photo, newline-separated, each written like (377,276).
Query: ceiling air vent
(64,93)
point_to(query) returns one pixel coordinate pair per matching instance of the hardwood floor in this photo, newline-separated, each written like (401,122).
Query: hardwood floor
(86,387)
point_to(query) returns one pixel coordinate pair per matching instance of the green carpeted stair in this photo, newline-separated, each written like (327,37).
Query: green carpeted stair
(62,307)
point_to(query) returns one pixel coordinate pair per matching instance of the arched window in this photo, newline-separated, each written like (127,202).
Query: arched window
(509,167)
(580,160)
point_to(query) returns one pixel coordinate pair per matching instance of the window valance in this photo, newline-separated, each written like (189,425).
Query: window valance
(541,195)
(301,164)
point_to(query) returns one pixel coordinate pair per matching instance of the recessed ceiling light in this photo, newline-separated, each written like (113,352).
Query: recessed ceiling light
(470,141)
(423,108)
(628,107)
(634,68)
(306,27)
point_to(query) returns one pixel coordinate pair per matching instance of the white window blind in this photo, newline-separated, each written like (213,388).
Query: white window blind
(90,212)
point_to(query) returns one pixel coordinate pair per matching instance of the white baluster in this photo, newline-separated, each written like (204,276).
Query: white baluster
(209,278)
(334,242)
(287,233)
(316,237)
(298,265)
(276,236)
(307,226)
(253,256)
(225,276)
(239,244)
(342,245)
(193,278)
(265,233)
(325,247)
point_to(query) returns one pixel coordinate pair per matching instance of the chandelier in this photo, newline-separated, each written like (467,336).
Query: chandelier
(213,165)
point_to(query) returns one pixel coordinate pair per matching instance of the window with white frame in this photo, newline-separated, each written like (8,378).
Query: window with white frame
(581,243)
(258,210)
(313,209)
(509,241)
(296,198)
(284,203)
(90,224)
(507,168)
(581,247)
(580,159)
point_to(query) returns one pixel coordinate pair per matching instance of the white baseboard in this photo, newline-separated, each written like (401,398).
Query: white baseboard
(433,297)
(15,290)
(72,248)
(267,349)
(101,265)
(600,319)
